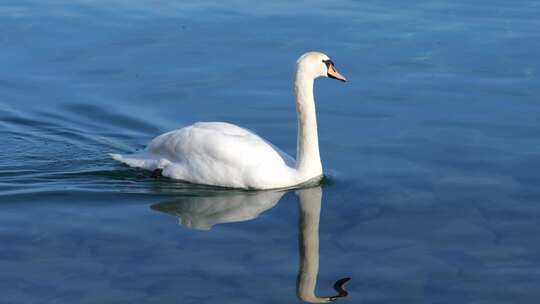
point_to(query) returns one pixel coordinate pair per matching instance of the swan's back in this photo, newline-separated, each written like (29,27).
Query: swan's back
(216,141)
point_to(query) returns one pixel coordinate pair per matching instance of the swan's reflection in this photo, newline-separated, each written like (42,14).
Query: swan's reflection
(204,212)
(309,203)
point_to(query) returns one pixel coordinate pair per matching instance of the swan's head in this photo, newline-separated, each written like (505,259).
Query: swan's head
(316,64)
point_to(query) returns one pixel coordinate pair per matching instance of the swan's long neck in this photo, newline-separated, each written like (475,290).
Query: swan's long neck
(310,209)
(308,160)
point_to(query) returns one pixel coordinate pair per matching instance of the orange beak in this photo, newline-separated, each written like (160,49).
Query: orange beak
(333,73)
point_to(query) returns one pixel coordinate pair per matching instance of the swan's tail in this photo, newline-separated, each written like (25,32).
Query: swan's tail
(142,160)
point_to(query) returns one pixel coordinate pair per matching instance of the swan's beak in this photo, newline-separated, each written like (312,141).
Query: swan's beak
(333,73)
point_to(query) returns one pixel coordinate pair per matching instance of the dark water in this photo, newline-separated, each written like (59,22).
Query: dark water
(432,150)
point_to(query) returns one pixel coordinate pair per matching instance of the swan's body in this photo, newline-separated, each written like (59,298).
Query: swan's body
(222,154)
(217,153)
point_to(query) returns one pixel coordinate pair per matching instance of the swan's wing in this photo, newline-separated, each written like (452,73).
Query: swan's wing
(289,160)
(216,142)
(228,129)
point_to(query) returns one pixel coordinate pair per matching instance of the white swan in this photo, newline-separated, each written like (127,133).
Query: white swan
(222,154)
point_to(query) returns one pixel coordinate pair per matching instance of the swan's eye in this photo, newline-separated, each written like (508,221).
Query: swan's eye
(328,63)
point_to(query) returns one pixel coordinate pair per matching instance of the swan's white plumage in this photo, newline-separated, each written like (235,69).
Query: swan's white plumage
(216,153)
(222,154)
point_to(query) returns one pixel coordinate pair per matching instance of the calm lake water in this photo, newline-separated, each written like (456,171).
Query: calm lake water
(431,151)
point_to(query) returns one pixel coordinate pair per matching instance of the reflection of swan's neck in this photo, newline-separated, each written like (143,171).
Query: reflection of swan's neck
(308,161)
(310,209)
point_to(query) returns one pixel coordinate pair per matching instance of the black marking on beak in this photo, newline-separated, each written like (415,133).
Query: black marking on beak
(331,70)
(328,63)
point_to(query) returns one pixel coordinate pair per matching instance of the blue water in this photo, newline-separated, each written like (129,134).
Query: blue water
(431,150)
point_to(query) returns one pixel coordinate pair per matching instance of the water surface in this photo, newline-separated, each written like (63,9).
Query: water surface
(431,150)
